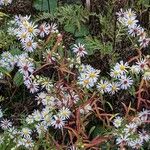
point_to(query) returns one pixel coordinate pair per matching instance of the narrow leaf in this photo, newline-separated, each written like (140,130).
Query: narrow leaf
(18,79)
(4,71)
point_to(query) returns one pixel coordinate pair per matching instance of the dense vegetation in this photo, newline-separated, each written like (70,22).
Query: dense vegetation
(74,74)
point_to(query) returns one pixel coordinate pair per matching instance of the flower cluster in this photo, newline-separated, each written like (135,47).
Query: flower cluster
(120,74)
(120,79)
(130,134)
(55,113)
(69,91)
(142,67)
(5,2)
(46,28)
(128,19)
(88,76)
(7,61)
(25,64)
(27,31)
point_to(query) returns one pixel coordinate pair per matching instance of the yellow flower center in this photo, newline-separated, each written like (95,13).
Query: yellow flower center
(122,67)
(130,22)
(86,82)
(30,29)
(92,75)
(116,73)
(23,36)
(25,23)
(64,113)
(29,44)
(114,88)
(103,86)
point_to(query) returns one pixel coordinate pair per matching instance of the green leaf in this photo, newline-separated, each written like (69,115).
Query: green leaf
(16,52)
(53,6)
(18,79)
(41,5)
(46,5)
(70,28)
(37,4)
(110,105)
(98,130)
(144,2)
(93,44)
(83,31)
(91,130)
(4,71)
(132,91)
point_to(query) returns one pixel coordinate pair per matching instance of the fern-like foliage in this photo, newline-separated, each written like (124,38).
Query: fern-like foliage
(94,44)
(45,16)
(6,41)
(73,15)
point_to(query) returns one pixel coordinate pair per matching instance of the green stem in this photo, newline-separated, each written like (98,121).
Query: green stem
(48,6)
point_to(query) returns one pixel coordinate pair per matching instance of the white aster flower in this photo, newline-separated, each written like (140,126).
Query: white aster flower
(143,115)
(5,124)
(134,30)
(144,42)
(136,144)
(23,36)
(5,2)
(53,28)
(120,14)
(117,121)
(79,49)
(103,86)
(114,87)
(33,87)
(130,22)
(130,14)
(26,67)
(57,122)
(41,128)
(141,33)
(64,113)
(29,119)
(32,29)
(29,45)
(130,128)
(115,73)
(40,96)
(28,143)
(135,69)
(85,81)
(122,139)
(121,67)
(144,136)
(93,74)
(45,112)
(43,29)
(146,75)
(26,132)
(125,82)
(142,64)
(37,115)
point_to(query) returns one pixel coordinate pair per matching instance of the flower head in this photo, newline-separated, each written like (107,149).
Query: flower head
(79,49)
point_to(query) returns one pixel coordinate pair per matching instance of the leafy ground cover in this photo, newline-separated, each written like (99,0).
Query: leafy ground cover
(74,75)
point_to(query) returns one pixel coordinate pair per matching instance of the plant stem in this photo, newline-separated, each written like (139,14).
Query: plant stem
(48,6)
